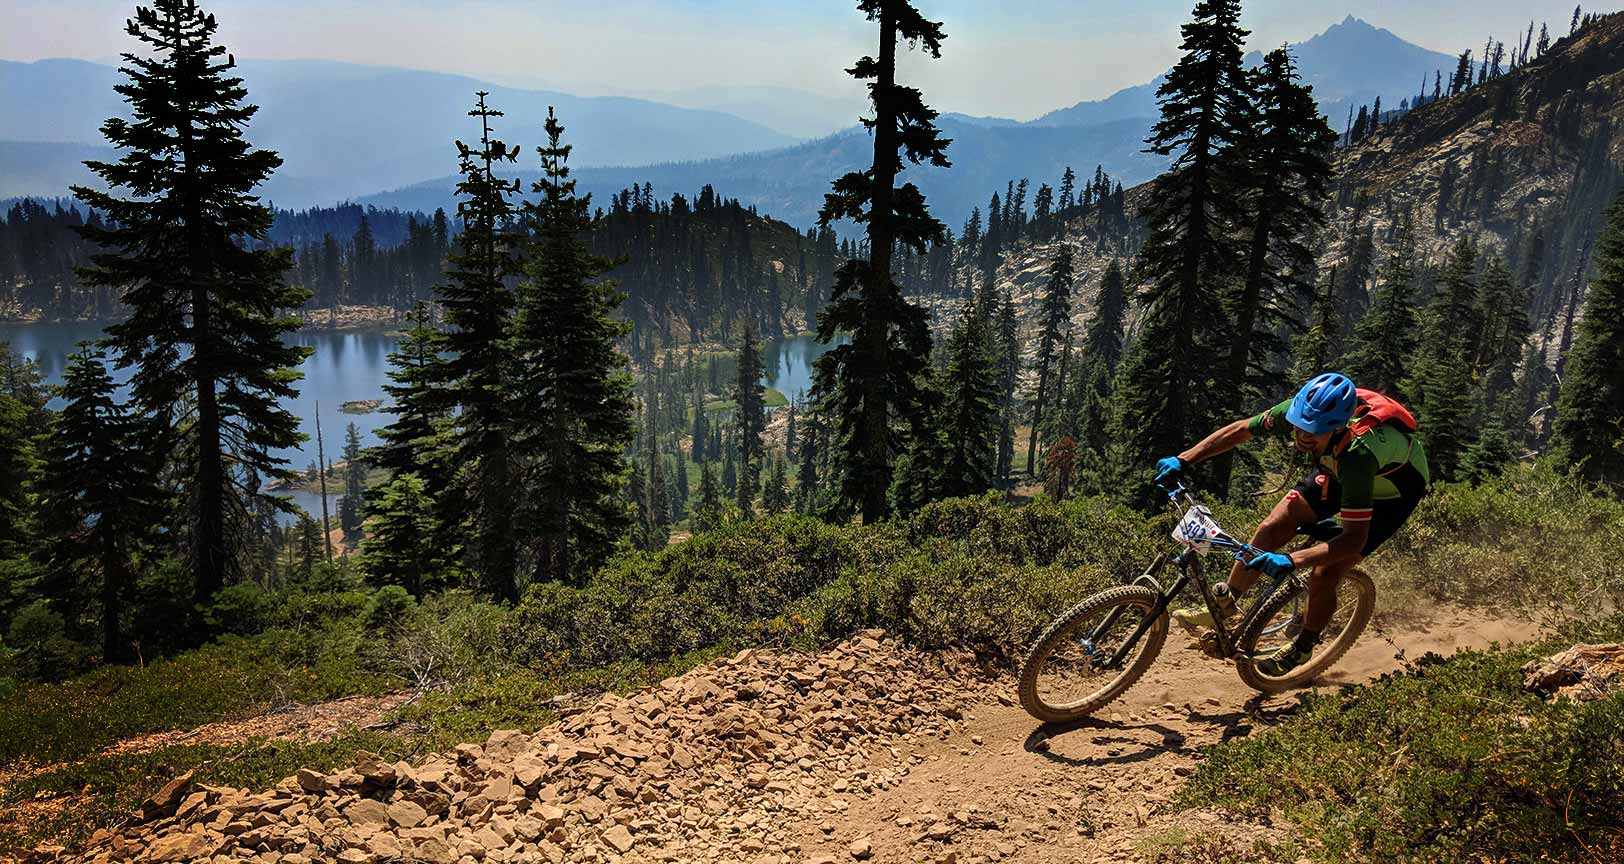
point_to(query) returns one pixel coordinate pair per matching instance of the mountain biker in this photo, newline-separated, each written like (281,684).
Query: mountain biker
(1370,472)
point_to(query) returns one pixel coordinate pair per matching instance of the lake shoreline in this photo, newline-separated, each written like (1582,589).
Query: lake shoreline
(342,319)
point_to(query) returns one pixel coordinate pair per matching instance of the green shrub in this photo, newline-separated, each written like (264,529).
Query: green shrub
(243,610)
(443,641)
(969,573)
(388,607)
(1530,537)
(1450,760)
(47,722)
(40,648)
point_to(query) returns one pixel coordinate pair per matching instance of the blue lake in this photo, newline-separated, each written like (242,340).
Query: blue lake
(348,366)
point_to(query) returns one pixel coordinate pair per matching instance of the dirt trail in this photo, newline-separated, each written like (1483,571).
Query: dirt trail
(866,752)
(1089,792)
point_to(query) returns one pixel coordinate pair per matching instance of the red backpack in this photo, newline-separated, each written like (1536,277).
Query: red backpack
(1374,409)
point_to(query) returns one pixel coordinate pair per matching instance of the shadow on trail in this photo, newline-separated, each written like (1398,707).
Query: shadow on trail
(1109,734)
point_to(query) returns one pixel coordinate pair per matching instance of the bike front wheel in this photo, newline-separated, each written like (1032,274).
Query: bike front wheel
(1069,675)
(1279,620)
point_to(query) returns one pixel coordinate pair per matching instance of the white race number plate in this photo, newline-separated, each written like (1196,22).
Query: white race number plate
(1196,529)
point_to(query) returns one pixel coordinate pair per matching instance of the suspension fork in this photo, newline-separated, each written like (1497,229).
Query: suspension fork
(1111,619)
(1186,561)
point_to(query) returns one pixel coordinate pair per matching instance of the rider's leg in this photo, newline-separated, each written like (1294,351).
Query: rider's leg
(1322,593)
(1272,533)
(1321,606)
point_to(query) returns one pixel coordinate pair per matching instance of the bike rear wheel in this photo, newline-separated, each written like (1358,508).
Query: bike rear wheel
(1279,619)
(1064,677)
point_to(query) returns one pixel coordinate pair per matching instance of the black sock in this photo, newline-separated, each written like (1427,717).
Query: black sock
(1307,639)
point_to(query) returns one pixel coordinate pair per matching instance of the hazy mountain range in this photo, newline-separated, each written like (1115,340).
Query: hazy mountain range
(345,130)
(1349,64)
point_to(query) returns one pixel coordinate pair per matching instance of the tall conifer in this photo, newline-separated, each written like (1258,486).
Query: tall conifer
(476,370)
(572,391)
(1056,311)
(1589,429)
(1173,371)
(187,253)
(750,420)
(872,382)
(1384,339)
(101,499)
(1288,154)
(1440,382)
(1099,356)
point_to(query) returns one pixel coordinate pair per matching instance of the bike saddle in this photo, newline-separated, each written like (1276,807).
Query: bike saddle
(1324,530)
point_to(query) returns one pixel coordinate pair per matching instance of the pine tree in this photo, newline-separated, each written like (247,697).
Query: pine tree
(708,515)
(970,407)
(1289,152)
(363,264)
(775,495)
(1461,81)
(701,433)
(872,381)
(206,309)
(750,420)
(1502,307)
(404,544)
(1589,428)
(730,471)
(1384,339)
(23,423)
(1006,346)
(100,498)
(806,473)
(1312,349)
(350,504)
(475,371)
(418,440)
(310,546)
(411,441)
(790,430)
(1440,383)
(573,393)
(1100,354)
(1056,311)
(1190,255)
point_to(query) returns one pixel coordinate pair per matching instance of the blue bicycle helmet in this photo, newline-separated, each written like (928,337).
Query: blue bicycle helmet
(1324,404)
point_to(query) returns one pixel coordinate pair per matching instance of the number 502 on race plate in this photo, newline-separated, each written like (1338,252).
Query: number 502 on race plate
(1196,529)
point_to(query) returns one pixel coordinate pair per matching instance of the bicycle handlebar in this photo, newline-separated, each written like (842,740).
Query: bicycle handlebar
(1180,497)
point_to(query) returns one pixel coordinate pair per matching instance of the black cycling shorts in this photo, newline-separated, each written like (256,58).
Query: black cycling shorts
(1323,492)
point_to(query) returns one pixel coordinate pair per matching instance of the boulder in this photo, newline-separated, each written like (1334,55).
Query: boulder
(166,800)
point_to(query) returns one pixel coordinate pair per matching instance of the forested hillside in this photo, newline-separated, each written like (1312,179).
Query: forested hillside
(1474,217)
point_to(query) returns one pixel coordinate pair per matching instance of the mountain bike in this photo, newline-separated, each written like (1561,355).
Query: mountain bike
(1095,651)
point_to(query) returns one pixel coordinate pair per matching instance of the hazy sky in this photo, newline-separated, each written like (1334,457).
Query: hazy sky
(1012,58)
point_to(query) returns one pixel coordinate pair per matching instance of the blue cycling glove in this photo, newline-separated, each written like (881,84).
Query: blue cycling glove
(1168,470)
(1272,564)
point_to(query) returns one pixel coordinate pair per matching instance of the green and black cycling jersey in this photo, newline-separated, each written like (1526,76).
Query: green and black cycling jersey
(1380,464)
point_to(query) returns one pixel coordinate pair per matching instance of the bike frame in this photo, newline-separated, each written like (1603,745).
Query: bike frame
(1188,561)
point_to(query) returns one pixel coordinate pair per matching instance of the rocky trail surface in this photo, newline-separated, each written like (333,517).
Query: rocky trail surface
(866,752)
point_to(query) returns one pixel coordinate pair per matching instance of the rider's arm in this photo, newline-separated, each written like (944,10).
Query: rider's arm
(1224,439)
(1350,544)
(1270,422)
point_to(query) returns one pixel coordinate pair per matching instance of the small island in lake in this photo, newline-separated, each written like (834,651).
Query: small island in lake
(360,406)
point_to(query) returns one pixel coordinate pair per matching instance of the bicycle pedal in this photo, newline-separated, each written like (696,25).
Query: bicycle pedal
(1209,645)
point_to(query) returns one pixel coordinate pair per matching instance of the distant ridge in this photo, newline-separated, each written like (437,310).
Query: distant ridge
(344,129)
